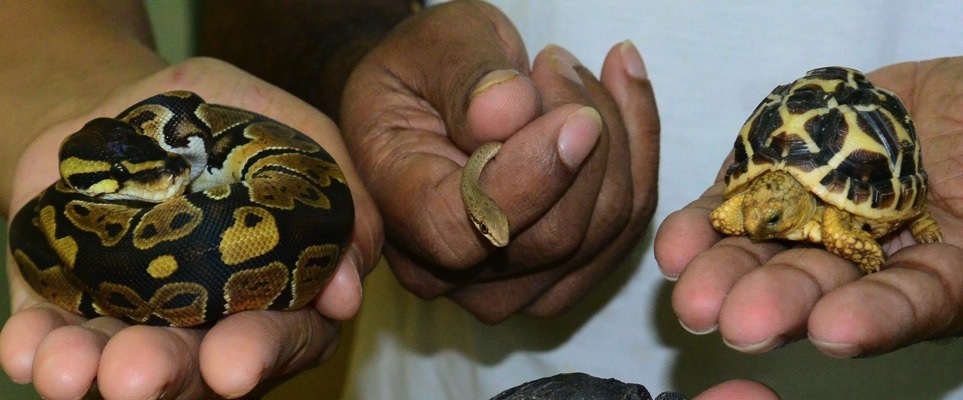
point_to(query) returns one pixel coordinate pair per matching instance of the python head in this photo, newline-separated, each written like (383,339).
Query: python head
(107,158)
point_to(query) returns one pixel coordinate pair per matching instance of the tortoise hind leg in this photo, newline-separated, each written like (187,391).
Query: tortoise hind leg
(854,244)
(925,229)
(728,217)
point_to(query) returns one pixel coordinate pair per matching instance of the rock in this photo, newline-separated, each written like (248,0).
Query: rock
(580,386)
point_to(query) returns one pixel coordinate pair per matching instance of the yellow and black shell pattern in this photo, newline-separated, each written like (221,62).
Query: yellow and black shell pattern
(262,225)
(849,142)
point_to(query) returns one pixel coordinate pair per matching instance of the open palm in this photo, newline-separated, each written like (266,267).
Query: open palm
(762,295)
(66,356)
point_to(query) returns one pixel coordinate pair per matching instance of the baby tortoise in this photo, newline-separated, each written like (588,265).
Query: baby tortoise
(829,158)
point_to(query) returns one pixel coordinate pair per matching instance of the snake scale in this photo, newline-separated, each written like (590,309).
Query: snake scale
(179,212)
(490,221)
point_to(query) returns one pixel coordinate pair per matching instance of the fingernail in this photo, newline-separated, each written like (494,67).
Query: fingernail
(711,329)
(755,348)
(578,136)
(632,60)
(562,54)
(354,262)
(159,396)
(668,277)
(494,78)
(841,350)
(564,63)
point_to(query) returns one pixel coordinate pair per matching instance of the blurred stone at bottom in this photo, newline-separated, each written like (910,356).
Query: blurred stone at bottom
(580,386)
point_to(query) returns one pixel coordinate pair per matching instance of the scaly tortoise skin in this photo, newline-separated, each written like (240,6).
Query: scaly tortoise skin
(262,224)
(832,159)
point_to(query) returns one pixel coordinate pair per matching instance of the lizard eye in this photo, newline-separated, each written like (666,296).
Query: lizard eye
(483,229)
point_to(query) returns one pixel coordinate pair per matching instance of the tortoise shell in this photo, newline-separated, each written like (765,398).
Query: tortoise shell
(850,143)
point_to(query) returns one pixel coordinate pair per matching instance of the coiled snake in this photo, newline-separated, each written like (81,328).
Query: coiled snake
(178,212)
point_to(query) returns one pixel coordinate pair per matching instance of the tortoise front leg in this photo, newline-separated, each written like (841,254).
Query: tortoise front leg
(728,218)
(854,244)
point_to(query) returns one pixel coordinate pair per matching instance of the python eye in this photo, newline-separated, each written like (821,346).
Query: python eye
(119,172)
(138,231)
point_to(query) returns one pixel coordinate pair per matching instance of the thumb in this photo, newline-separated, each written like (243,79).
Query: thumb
(469,63)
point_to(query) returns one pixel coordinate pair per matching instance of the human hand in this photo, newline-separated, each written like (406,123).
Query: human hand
(762,295)
(65,355)
(578,189)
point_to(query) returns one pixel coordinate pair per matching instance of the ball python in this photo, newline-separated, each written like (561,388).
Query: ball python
(179,212)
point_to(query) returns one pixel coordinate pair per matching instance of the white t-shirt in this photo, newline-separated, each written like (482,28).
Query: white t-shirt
(710,63)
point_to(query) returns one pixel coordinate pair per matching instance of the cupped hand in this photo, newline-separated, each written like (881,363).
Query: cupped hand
(576,174)
(762,295)
(66,356)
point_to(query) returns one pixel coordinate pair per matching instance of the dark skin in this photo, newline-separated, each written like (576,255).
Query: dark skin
(574,211)
(409,118)
(412,113)
(73,74)
(578,195)
(761,295)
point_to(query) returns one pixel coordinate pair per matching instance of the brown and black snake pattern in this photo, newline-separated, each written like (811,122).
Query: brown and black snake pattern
(262,225)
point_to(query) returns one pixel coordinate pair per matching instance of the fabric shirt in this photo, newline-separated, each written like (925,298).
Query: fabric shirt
(710,63)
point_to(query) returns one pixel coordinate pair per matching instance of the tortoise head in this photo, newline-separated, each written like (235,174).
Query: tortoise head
(776,206)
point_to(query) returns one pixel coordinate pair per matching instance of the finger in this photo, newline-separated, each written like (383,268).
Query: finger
(918,296)
(625,81)
(770,306)
(142,362)
(599,182)
(566,291)
(705,283)
(494,301)
(22,334)
(501,102)
(274,343)
(899,78)
(738,389)
(66,361)
(525,179)
(686,233)
(624,76)
(340,299)
(923,87)
(433,227)
(475,78)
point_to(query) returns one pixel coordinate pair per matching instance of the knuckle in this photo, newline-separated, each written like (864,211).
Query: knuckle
(555,238)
